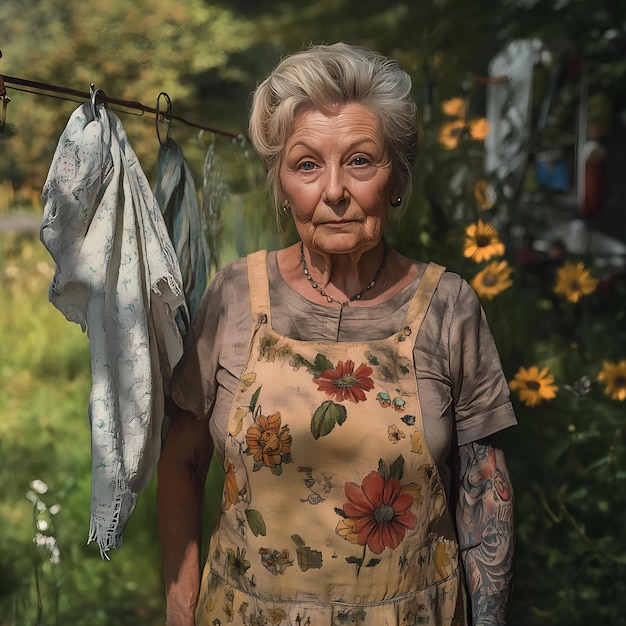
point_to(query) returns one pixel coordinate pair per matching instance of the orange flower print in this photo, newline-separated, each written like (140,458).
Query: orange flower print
(269,442)
(344,383)
(381,510)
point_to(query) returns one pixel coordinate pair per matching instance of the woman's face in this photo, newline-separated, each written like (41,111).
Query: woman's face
(336,177)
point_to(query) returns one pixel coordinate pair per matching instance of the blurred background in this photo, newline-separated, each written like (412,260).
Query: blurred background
(519,187)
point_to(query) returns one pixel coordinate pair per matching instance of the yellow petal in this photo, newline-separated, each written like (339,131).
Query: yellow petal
(236,422)
(248,379)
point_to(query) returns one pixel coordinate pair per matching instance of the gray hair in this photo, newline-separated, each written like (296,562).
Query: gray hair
(326,75)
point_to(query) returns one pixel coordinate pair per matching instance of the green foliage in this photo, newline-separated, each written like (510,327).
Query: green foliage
(44,435)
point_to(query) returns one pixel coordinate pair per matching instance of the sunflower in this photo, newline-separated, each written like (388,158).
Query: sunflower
(614,376)
(454,131)
(485,194)
(574,281)
(479,129)
(492,280)
(533,385)
(482,242)
(455,107)
(451,134)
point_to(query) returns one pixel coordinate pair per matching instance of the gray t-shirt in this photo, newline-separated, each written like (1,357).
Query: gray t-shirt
(462,389)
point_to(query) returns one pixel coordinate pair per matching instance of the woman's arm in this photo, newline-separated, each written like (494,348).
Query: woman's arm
(484,519)
(182,471)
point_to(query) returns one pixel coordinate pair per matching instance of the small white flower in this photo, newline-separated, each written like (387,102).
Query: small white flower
(33,497)
(39,486)
(54,509)
(42,525)
(40,505)
(40,540)
(55,555)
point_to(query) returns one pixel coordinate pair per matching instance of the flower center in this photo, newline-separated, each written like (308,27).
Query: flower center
(483,240)
(270,441)
(490,280)
(574,285)
(346,381)
(384,513)
(533,385)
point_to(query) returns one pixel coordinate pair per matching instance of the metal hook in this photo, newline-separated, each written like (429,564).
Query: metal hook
(165,118)
(5,102)
(94,99)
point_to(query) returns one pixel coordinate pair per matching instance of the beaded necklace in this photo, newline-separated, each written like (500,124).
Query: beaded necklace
(358,296)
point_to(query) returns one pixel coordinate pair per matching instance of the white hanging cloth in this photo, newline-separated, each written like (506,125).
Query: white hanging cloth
(118,277)
(508,110)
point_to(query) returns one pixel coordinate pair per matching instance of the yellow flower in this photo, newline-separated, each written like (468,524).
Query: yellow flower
(479,129)
(417,441)
(451,134)
(482,242)
(455,107)
(231,490)
(345,529)
(395,434)
(574,281)
(492,280)
(485,194)
(614,376)
(533,385)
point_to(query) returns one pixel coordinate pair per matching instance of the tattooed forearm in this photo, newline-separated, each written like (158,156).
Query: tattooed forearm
(485,526)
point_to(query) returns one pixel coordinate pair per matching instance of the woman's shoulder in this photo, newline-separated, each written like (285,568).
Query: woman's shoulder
(451,285)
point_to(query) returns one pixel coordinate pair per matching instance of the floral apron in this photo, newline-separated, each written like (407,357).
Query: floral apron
(333,511)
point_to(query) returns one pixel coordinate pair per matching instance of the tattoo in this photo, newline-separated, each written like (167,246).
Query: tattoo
(484,519)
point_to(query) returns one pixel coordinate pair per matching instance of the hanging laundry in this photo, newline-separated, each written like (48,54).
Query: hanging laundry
(175,193)
(214,194)
(117,276)
(508,111)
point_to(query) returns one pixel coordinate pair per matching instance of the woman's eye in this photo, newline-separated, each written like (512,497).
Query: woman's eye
(360,160)
(307,166)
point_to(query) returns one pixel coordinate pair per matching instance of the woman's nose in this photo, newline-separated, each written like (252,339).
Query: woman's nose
(335,191)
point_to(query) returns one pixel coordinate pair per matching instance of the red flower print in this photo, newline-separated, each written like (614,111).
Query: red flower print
(381,511)
(344,383)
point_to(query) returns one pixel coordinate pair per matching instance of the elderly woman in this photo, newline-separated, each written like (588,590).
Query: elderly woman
(350,393)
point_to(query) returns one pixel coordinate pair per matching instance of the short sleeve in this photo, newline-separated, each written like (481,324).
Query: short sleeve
(194,382)
(480,389)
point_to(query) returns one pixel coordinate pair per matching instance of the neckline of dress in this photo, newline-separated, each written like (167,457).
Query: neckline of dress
(363,311)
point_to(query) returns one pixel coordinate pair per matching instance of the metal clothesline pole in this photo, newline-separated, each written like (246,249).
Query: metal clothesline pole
(115,104)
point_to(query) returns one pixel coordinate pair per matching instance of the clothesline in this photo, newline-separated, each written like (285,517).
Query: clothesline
(116,104)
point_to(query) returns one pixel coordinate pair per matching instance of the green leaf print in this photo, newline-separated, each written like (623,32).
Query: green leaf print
(326,416)
(256,522)
(321,363)
(383,469)
(397,468)
(254,399)
(395,471)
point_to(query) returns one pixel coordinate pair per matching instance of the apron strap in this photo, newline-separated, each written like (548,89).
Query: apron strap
(420,302)
(259,285)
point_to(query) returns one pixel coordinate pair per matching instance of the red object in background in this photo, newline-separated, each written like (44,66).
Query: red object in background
(595,183)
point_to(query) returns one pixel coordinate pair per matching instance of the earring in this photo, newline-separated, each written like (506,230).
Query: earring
(397,202)
(286,209)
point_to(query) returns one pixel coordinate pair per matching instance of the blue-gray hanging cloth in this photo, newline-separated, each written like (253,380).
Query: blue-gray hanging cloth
(118,277)
(175,193)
